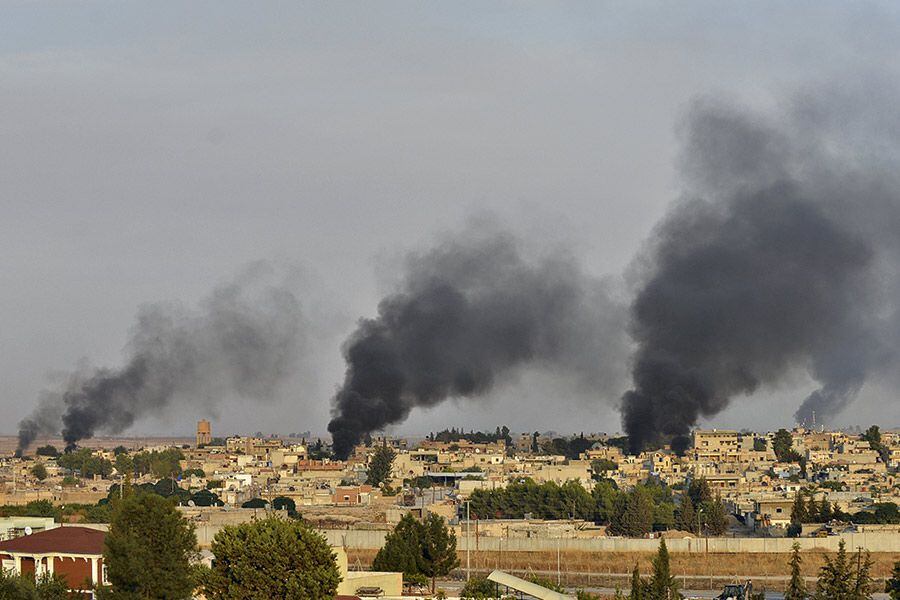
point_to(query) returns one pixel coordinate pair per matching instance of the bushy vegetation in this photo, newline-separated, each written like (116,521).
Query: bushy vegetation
(25,587)
(82,462)
(271,558)
(646,507)
(476,437)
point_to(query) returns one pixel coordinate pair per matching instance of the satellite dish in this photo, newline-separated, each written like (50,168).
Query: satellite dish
(28,531)
(191,503)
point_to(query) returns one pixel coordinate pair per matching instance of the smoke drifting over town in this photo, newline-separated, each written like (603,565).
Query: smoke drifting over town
(781,256)
(244,340)
(469,313)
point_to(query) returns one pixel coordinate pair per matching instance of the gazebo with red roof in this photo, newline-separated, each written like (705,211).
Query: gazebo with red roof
(75,553)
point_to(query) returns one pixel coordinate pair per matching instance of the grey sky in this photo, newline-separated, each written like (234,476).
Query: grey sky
(150,150)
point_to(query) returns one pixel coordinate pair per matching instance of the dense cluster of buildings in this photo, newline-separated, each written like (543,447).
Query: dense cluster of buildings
(742,467)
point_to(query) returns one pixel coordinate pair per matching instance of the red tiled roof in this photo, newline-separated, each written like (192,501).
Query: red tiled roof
(65,540)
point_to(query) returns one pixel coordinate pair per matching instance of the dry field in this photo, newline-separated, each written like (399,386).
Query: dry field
(697,571)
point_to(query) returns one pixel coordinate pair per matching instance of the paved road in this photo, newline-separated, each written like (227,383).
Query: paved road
(453,588)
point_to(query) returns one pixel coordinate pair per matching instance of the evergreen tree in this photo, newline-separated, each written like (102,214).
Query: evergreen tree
(380,466)
(864,585)
(401,550)
(892,585)
(699,491)
(662,584)
(825,512)
(836,581)
(799,513)
(716,517)
(782,445)
(687,516)
(796,589)
(638,585)
(812,510)
(438,549)
(633,514)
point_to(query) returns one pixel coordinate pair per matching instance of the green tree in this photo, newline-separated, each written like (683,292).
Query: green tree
(799,512)
(271,558)
(633,514)
(148,550)
(41,508)
(39,471)
(380,466)
(835,577)
(759,444)
(892,585)
(47,450)
(796,588)
(687,516)
(699,491)
(124,464)
(601,466)
(285,503)
(873,436)
(438,549)
(25,587)
(638,586)
(864,585)
(662,584)
(715,516)
(604,496)
(402,548)
(255,503)
(783,447)
(825,511)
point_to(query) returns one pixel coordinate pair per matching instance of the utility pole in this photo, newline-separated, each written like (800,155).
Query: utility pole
(468,543)
(859,550)
(558,573)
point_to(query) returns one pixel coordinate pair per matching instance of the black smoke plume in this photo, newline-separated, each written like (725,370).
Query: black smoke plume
(243,341)
(466,315)
(780,257)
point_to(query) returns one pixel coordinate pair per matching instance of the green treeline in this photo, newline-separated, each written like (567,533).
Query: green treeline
(650,506)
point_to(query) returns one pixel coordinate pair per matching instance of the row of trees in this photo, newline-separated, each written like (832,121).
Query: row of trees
(151,552)
(646,507)
(840,578)
(807,510)
(477,437)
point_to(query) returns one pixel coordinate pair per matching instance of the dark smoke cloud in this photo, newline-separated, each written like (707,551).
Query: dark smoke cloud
(244,341)
(466,316)
(781,256)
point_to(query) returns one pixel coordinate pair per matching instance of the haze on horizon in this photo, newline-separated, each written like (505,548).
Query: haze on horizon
(152,151)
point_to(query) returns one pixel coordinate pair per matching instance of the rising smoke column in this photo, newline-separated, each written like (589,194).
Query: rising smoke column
(466,315)
(760,270)
(243,341)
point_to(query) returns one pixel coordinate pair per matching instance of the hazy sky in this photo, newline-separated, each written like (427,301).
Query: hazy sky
(149,150)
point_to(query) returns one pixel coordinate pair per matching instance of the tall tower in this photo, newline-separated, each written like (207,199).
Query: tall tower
(204,433)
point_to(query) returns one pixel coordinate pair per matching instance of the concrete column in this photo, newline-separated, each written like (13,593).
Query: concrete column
(18,565)
(94,576)
(50,565)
